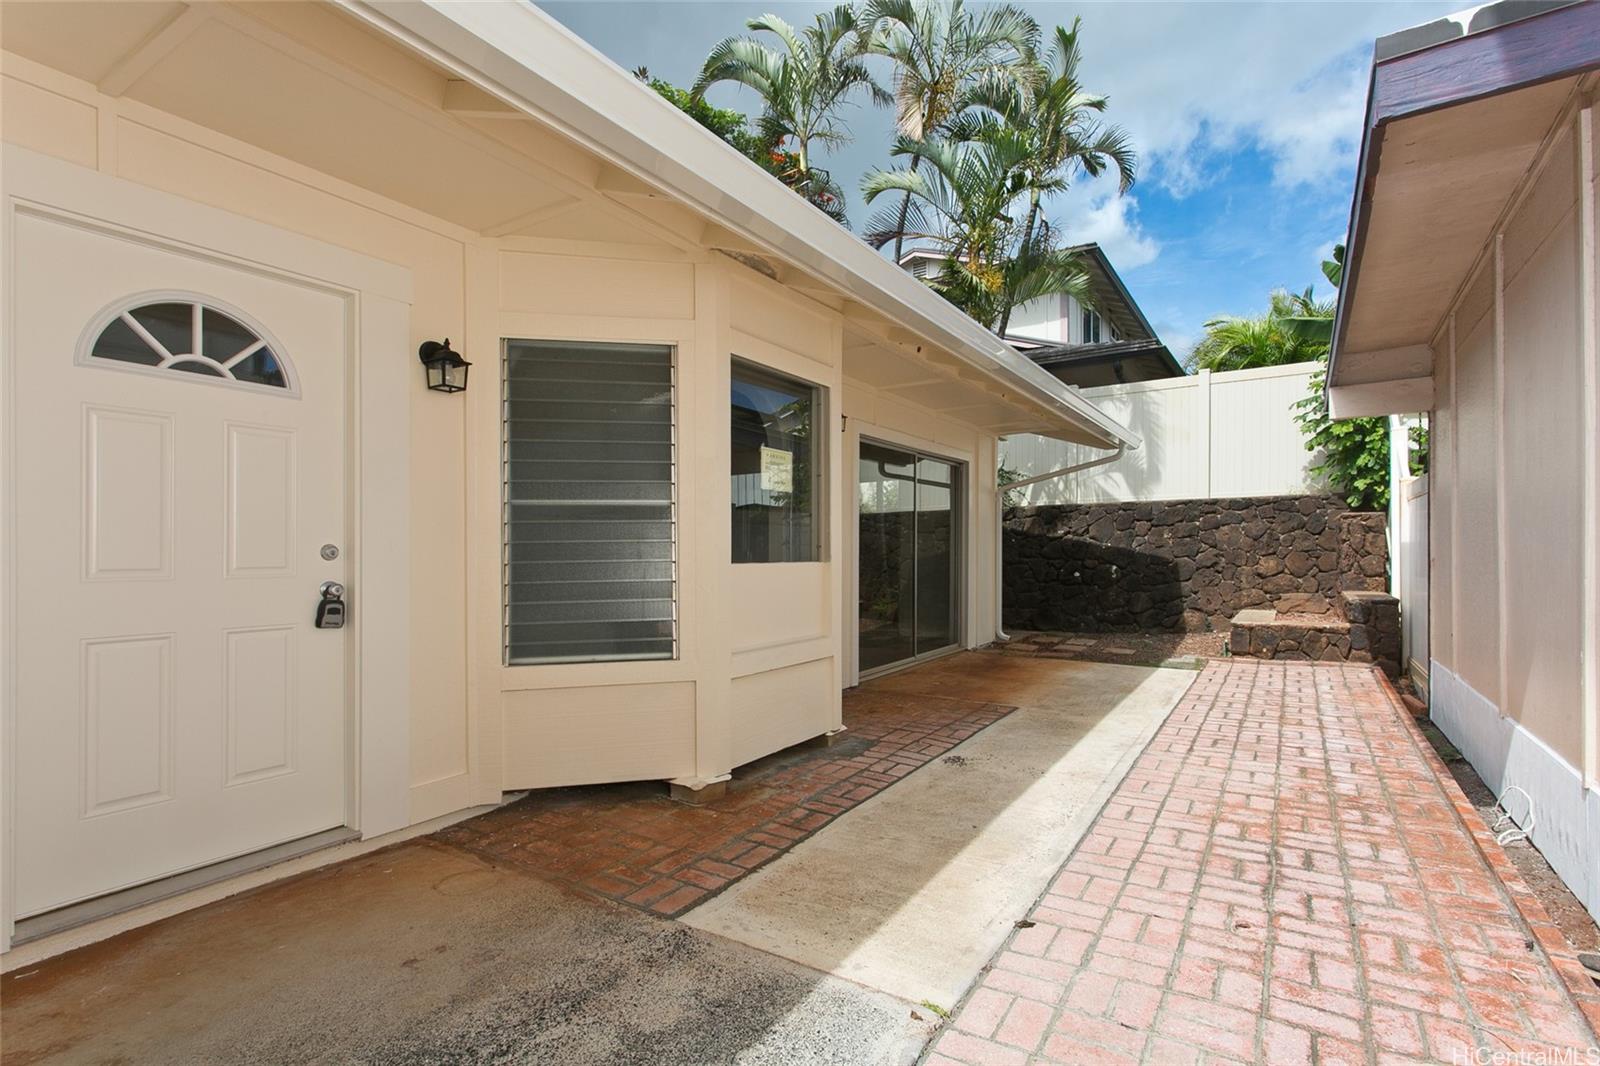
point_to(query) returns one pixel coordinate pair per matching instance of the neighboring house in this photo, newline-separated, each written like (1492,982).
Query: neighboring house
(1470,292)
(627,550)
(1108,343)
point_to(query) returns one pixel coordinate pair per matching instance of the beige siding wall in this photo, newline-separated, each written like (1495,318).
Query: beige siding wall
(763,648)
(1508,522)
(137,143)
(1512,524)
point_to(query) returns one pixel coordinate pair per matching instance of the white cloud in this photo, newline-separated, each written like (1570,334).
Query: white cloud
(1096,213)
(1195,82)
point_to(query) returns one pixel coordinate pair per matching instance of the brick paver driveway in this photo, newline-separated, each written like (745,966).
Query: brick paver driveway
(1283,877)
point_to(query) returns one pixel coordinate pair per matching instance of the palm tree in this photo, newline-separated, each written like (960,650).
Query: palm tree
(1294,329)
(1037,268)
(960,205)
(1060,119)
(941,53)
(803,88)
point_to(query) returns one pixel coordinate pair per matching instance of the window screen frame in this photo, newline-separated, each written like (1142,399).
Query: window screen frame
(820,458)
(674,349)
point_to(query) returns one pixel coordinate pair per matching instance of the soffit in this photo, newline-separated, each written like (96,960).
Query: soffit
(1443,180)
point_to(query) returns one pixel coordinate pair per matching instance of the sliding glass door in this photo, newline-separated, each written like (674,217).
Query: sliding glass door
(910,555)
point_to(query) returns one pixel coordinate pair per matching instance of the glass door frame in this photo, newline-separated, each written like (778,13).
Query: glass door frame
(959,507)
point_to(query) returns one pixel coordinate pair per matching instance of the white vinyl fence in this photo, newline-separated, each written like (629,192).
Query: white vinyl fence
(1408,549)
(1205,436)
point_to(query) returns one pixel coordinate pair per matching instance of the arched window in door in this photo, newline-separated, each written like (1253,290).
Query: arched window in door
(189,335)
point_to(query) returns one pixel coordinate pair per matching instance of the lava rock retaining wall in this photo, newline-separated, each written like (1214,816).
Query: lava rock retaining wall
(1186,564)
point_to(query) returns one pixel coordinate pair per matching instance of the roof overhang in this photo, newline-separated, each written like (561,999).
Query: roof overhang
(1457,113)
(1048,355)
(524,58)
(1111,297)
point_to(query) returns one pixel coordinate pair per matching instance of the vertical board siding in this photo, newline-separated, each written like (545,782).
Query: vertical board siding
(1205,435)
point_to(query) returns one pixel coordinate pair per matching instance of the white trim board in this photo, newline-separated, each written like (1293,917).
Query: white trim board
(1566,813)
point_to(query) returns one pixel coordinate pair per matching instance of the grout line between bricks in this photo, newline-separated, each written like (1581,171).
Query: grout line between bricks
(1523,905)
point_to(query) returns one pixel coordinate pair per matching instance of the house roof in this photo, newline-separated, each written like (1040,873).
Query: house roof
(519,55)
(1457,112)
(1108,294)
(1052,356)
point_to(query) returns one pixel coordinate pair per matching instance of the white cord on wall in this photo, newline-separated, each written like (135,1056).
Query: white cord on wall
(1514,834)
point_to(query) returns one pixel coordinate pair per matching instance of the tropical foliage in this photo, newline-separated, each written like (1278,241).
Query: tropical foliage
(1352,454)
(943,54)
(987,130)
(1294,329)
(959,205)
(1059,121)
(804,86)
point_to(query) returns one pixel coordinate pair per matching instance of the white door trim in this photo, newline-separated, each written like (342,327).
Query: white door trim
(379,294)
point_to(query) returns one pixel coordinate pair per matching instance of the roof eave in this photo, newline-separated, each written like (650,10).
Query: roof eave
(523,56)
(1556,43)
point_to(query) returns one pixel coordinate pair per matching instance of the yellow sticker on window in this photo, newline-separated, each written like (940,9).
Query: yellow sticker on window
(777,470)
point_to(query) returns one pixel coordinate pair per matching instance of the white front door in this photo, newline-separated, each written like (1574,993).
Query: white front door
(181,463)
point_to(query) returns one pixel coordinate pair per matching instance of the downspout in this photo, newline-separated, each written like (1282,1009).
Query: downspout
(1000,525)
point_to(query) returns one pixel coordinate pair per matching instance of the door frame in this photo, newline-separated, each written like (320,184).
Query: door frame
(378,436)
(857,432)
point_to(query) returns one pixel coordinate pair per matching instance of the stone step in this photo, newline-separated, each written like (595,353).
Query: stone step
(1366,630)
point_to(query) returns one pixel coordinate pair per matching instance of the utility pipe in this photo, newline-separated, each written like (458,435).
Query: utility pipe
(1000,525)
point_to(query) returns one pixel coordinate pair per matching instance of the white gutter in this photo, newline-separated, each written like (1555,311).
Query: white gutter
(1000,528)
(519,54)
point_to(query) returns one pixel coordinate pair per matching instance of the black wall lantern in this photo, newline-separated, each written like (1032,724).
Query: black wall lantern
(446,370)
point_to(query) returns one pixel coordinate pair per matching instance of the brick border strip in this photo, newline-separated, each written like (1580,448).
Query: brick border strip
(647,852)
(1552,941)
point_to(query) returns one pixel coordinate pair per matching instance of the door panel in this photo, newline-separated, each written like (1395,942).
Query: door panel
(937,569)
(176,707)
(886,549)
(909,555)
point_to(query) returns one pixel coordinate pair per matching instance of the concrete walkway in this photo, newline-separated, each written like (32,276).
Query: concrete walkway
(912,893)
(1285,876)
(541,932)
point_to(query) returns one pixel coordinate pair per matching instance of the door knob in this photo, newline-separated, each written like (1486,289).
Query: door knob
(331,608)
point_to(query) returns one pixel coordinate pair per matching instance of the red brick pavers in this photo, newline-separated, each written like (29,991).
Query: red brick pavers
(631,844)
(1284,876)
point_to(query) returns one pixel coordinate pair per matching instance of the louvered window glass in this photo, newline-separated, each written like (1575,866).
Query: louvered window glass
(590,528)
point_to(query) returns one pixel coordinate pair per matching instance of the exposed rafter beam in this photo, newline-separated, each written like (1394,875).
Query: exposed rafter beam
(153,49)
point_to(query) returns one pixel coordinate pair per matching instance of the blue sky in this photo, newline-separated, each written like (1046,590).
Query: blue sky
(1246,117)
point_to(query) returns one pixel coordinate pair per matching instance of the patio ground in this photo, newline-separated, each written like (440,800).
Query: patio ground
(1285,874)
(540,932)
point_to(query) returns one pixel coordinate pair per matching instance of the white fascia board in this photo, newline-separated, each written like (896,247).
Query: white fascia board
(1407,396)
(515,51)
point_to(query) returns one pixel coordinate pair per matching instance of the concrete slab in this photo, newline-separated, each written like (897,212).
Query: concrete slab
(424,953)
(913,892)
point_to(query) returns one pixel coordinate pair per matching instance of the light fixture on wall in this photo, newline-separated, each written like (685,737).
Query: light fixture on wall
(446,370)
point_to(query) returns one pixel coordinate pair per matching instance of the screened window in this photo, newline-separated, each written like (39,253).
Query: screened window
(590,527)
(777,467)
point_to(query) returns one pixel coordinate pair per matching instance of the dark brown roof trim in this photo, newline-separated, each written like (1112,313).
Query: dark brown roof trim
(1084,354)
(1552,44)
